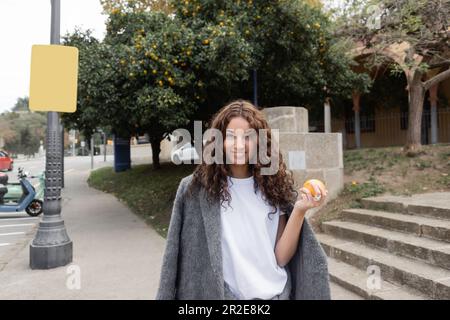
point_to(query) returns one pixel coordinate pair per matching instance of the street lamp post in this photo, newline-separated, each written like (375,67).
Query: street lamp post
(103,135)
(255,87)
(104,147)
(92,151)
(51,246)
(62,157)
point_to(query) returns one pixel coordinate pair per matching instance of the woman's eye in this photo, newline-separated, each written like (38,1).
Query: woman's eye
(232,136)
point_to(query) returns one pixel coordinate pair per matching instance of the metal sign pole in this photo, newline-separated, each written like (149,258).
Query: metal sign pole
(51,246)
(92,151)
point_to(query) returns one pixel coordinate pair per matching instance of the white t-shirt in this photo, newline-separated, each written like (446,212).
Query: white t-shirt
(248,243)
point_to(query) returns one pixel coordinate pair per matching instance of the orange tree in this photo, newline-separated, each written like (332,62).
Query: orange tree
(102,100)
(163,64)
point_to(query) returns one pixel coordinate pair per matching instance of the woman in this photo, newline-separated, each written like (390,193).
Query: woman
(236,233)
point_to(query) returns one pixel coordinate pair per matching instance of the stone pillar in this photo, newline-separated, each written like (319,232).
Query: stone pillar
(433,101)
(356,108)
(287,119)
(327,115)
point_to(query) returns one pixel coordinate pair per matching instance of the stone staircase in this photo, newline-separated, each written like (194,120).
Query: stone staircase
(406,238)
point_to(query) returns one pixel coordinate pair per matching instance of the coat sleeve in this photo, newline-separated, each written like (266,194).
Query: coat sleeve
(169,270)
(309,268)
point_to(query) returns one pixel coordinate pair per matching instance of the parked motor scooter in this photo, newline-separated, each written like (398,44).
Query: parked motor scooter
(22,195)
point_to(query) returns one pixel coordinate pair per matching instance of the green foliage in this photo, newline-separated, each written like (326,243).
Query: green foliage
(99,98)
(289,43)
(423,164)
(424,24)
(365,189)
(21,105)
(157,62)
(29,142)
(23,132)
(445,180)
(23,142)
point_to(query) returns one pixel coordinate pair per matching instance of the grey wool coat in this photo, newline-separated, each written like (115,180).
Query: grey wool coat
(192,261)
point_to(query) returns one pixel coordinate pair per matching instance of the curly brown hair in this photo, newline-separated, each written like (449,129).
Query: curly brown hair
(277,189)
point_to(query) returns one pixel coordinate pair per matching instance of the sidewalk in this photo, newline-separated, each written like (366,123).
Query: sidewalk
(119,256)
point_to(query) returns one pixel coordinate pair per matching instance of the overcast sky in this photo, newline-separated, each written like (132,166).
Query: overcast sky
(27,22)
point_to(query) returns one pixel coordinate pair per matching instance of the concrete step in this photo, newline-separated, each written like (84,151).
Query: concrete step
(340,293)
(436,205)
(413,277)
(436,229)
(430,251)
(356,281)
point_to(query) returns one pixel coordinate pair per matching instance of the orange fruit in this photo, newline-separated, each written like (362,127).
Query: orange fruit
(309,185)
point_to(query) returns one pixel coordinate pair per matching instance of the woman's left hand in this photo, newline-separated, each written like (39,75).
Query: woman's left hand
(306,201)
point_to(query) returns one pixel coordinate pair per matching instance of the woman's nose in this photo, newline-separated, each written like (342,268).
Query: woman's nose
(240,142)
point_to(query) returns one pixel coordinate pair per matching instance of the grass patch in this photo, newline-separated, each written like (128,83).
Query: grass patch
(445,155)
(364,190)
(445,180)
(148,193)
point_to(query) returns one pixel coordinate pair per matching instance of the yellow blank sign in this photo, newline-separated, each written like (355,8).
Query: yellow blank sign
(53,78)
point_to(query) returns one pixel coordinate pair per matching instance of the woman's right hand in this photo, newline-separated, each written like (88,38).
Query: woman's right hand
(306,201)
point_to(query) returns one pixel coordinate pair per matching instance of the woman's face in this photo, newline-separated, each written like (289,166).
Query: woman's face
(239,141)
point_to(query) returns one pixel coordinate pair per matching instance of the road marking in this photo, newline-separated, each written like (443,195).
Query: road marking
(5,244)
(16,225)
(70,170)
(9,219)
(11,233)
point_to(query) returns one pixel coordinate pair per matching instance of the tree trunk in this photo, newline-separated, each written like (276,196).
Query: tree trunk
(416,96)
(156,149)
(88,143)
(416,100)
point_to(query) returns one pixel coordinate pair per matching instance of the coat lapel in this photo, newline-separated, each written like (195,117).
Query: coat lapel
(212,224)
